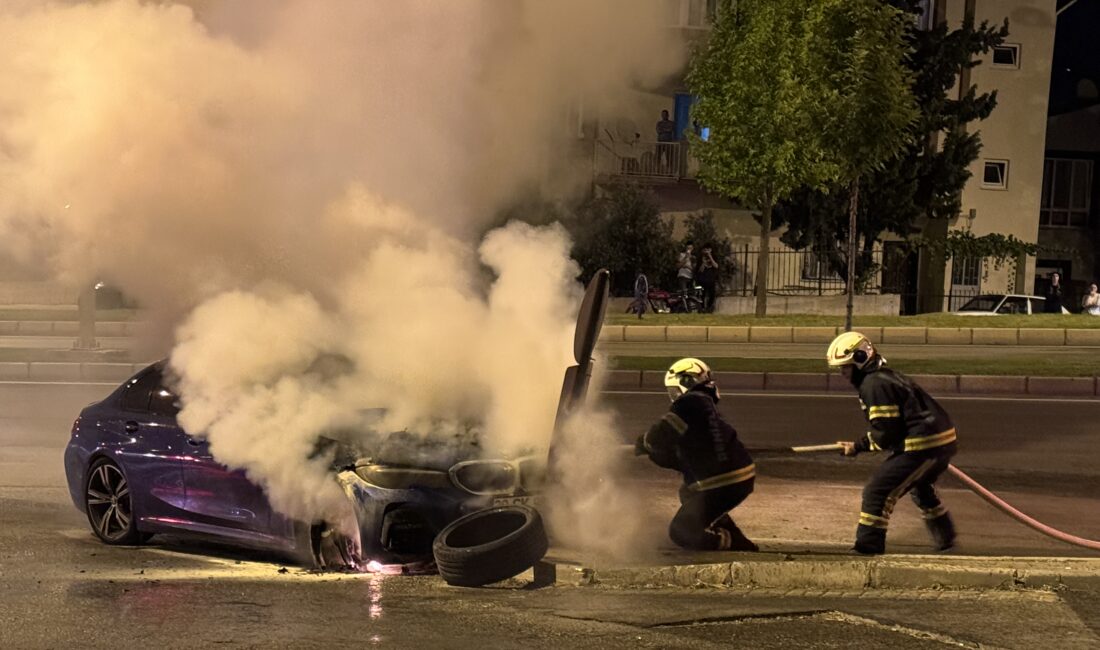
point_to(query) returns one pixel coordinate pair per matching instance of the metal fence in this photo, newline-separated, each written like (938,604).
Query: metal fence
(808,273)
(798,273)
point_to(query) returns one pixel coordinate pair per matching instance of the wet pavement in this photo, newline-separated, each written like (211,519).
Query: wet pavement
(59,586)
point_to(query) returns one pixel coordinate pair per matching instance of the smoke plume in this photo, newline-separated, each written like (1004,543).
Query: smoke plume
(292,182)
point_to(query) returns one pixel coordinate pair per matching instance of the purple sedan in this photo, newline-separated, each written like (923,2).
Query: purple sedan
(135,473)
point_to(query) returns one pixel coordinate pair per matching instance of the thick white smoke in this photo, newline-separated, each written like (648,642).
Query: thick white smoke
(310,181)
(416,337)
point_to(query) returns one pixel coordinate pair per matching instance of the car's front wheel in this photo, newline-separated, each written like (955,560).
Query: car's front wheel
(109,504)
(332,550)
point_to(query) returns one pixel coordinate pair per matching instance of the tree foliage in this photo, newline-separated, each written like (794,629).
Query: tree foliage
(751,82)
(924,181)
(864,99)
(963,244)
(624,233)
(753,77)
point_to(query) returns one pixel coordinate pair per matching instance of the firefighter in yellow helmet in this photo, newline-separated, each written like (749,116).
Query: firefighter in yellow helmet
(906,422)
(694,439)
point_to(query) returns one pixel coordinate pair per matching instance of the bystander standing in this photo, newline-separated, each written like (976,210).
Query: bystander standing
(708,278)
(685,268)
(1053,303)
(1091,303)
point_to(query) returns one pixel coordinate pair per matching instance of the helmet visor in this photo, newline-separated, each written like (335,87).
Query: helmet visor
(674,392)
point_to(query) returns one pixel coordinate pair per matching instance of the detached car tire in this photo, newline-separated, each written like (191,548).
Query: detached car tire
(490,545)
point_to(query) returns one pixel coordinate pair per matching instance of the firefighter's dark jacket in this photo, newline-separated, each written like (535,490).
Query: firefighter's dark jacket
(903,417)
(694,439)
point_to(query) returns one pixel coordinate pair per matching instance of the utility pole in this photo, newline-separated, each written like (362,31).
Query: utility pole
(85,307)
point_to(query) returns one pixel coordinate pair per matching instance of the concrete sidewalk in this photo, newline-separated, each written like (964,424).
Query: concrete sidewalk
(828,575)
(805,528)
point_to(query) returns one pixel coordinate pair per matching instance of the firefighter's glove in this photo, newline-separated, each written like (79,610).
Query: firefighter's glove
(639,446)
(847,448)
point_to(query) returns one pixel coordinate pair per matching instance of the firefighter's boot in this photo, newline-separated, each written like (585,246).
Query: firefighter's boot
(942,530)
(738,541)
(870,540)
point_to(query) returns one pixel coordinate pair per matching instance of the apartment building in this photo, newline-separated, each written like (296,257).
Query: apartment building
(1006,185)
(1005,194)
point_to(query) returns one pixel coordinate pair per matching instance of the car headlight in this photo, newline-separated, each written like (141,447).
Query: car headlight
(401,478)
(485,477)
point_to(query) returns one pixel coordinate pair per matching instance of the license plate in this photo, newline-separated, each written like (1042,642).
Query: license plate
(531,500)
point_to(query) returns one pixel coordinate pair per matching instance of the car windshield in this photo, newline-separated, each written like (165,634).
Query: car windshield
(981,303)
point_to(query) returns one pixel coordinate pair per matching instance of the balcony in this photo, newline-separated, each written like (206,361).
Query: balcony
(644,160)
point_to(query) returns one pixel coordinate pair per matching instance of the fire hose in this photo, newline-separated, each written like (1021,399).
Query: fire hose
(990,498)
(982,492)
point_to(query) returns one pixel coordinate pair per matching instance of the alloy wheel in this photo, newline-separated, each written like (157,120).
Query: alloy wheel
(109,503)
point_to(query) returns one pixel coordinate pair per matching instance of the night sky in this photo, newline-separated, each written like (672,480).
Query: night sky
(1076,54)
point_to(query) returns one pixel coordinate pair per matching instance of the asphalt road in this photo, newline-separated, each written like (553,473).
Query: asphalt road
(60,587)
(1048,445)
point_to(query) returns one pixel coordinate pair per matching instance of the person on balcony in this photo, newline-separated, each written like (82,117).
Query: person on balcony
(666,136)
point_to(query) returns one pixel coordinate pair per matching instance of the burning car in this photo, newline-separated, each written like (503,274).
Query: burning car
(135,472)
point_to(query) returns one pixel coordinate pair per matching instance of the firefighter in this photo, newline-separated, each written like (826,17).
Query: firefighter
(695,440)
(906,422)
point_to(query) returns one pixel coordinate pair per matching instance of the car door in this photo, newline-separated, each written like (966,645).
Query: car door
(152,456)
(220,496)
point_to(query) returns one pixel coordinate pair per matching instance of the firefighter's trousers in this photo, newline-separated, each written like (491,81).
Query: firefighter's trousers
(914,472)
(702,523)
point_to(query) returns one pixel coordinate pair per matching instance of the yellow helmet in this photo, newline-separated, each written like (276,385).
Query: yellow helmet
(685,374)
(850,349)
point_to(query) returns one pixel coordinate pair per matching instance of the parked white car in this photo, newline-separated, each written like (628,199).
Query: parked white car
(994,304)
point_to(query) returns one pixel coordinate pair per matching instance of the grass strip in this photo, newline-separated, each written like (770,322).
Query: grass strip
(1067,321)
(1001,366)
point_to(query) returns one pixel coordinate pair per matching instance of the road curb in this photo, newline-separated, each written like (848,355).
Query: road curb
(842,573)
(627,380)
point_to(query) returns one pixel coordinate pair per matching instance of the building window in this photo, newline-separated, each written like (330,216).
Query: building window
(1067,193)
(925,17)
(1006,56)
(995,175)
(965,271)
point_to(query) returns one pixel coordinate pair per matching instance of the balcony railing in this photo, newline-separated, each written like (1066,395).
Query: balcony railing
(647,159)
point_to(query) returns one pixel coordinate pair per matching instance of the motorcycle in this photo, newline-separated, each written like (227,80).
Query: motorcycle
(678,302)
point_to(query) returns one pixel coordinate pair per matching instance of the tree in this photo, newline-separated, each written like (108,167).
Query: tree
(866,106)
(923,186)
(624,233)
(752,80)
